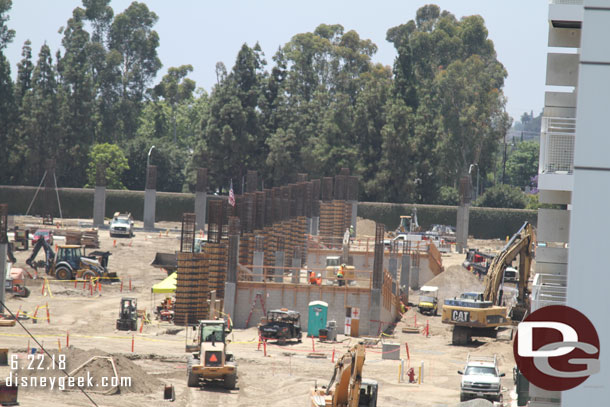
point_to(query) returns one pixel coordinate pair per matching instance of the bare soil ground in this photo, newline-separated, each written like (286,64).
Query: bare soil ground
(284,377)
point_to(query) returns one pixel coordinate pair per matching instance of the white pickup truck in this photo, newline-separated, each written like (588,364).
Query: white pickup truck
(481,379)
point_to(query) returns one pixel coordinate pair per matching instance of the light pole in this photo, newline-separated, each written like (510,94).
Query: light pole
(476,192)
(148,157)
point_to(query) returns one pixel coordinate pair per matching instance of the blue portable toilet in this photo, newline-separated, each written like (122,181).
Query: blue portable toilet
(318,311)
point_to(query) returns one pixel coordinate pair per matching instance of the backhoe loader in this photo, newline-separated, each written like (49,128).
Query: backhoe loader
(71,262)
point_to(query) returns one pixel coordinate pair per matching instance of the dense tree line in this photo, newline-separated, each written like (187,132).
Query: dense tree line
(409,131)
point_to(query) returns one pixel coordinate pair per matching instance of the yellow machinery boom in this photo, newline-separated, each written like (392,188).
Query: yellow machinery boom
(346,385)
(481,316)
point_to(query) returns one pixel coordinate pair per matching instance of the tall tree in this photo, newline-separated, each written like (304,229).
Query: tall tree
(76,97)
(7,102)
(176,88)
(132,36)
(448,73)
(100,14)
(39,131)
(25,67)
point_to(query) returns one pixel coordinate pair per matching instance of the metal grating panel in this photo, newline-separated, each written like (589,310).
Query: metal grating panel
(557,145)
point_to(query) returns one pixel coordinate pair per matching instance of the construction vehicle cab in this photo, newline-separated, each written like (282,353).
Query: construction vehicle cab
(482,314)
(212,362)
(281,325)
(128,315)
(347,388)
(428,300)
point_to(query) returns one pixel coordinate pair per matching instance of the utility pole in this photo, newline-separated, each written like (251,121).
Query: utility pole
(504,162)
(3,251)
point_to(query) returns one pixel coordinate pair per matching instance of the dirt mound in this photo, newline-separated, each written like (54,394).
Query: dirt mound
(454,281)
(98,374)
(71,292)
(365,227)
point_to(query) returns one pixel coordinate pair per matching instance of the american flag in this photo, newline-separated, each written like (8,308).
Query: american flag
(231,195)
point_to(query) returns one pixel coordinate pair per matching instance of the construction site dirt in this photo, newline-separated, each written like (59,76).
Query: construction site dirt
(277,376)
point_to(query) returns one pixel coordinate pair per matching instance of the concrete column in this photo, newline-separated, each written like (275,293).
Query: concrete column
(201,197)
(414,278)
(393,266)
(375,312)
(405,270)
(258,261)
(99,206)
(3,252)
(279,263)
(230,297)
(296,271)
(315,225)
(393,269)
(231,281)
(354,218)
(461,229)
(150,195)
(463,214)
(99,198)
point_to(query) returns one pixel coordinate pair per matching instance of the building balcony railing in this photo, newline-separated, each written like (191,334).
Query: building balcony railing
(577,2)
(548,289)
(557,145)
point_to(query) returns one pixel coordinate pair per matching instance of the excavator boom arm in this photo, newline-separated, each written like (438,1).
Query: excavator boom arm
(520,244)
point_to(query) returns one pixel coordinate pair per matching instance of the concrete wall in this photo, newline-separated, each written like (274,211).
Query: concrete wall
(316,260)
(297,297)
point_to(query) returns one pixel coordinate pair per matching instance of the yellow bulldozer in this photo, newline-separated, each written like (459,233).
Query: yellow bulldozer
(480,314)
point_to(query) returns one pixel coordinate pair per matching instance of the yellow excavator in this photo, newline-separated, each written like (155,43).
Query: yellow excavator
(480,314)
(347,388)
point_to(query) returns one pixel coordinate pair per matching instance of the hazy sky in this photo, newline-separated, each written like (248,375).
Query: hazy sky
(201,33)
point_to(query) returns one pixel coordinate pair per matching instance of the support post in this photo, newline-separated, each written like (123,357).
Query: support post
(279,264)
(150,195)
(463,215)
(296,266)
(377,283)
(3,251)
(99,199)
(201,197)
(404,277)
(231,281)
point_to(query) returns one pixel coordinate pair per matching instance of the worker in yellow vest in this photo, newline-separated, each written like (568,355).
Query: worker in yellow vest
(340,275)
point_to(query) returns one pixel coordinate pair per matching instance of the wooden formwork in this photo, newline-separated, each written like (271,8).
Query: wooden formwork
(217,269)
(191,288)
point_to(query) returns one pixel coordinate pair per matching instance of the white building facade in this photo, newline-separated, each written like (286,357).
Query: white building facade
(574,171)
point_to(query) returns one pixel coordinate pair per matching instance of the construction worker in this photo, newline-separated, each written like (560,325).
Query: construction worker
(319,279)
(340,274)
(312,278)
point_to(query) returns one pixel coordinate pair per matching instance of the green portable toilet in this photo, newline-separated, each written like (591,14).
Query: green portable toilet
(318,311)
